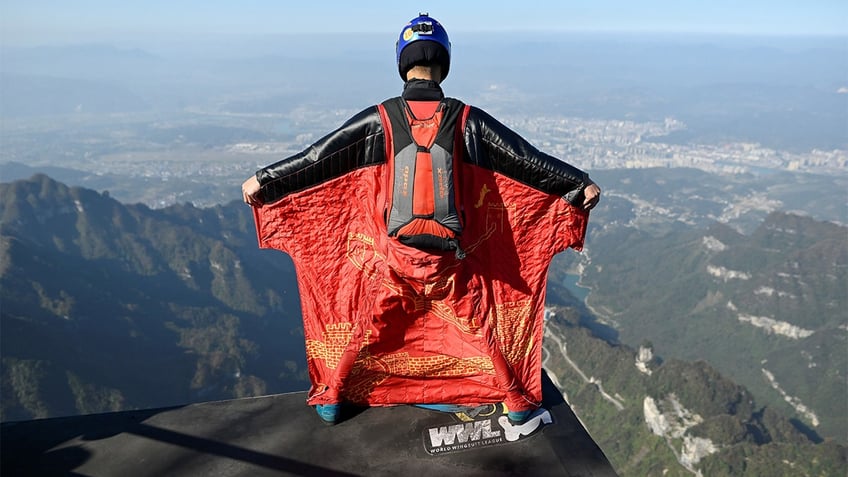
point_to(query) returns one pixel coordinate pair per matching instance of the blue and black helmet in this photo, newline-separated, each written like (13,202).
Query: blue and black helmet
(411,50)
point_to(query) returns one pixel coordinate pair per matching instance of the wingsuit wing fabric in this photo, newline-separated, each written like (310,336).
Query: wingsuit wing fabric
(387,324)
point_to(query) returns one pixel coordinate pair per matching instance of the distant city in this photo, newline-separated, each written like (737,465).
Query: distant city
(129,119)
(590,144)
(597,144)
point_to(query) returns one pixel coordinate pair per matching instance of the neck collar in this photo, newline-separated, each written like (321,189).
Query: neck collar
(422,90)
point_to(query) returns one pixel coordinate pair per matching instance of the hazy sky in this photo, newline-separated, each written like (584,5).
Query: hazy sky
(52,21)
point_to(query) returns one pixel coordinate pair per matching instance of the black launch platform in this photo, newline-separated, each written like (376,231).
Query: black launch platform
(280,435)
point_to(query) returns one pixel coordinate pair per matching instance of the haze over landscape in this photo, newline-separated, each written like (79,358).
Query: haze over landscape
(718,132)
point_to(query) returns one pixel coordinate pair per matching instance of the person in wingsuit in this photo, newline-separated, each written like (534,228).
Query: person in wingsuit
(421,231)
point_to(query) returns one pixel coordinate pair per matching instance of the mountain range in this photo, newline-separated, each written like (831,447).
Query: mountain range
(672,417)
(708,270)
(704,347)
(108,306)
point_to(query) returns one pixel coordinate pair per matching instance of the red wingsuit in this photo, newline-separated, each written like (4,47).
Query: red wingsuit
(389,324)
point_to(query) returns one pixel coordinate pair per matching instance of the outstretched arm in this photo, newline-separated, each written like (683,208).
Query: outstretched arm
(357,143)
(492,145)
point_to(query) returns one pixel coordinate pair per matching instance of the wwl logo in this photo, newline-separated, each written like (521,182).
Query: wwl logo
(482,433)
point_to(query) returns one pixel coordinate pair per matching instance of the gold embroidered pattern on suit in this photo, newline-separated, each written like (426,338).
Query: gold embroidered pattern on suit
(515,336)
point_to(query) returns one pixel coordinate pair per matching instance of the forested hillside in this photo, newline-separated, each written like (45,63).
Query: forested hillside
(107,306)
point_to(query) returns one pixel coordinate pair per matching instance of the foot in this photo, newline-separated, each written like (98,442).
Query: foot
(518,417)
(329,413)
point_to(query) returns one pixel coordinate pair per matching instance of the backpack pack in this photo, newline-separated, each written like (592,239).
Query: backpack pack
(423,206)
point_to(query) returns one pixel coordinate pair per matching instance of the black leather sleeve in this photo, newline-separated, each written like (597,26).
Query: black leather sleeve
(492,145)
(359,142)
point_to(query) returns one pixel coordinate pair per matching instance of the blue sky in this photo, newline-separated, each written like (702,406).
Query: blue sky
(52,21)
